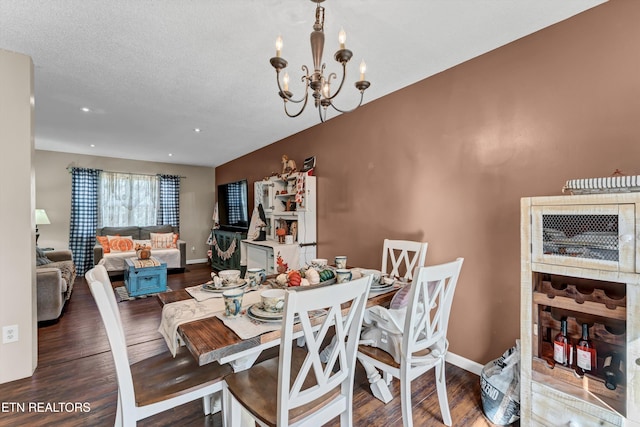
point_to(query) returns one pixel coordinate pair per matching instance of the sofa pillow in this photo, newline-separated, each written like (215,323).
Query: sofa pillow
(120,243)
(164,240)
(145,232)
(104,242)
(41,257)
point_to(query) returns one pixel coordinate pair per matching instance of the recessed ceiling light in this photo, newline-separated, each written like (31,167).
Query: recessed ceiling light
(170,154)
(86,109)
(92,145)
(197,130)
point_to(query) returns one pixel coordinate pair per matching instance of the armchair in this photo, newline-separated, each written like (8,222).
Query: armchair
(54,284)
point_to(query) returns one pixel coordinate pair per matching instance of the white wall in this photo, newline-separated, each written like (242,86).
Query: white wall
(17,204)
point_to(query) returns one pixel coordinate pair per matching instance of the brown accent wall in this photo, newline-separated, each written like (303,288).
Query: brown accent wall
(447,159)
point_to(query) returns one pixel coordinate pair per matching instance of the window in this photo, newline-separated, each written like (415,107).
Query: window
(127,199)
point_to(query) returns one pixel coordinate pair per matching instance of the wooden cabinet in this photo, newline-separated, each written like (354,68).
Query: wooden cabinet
(580,262)
(290,204)
(144,280)
(291,200)
(225,249)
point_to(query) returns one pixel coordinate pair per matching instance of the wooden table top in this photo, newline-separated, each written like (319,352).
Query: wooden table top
(210,340)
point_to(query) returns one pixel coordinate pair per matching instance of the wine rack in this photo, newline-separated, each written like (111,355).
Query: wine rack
(584,287)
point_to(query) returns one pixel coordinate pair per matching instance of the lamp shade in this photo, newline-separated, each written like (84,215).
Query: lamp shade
(41,217)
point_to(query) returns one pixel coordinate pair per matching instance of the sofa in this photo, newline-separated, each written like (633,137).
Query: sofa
(114,262)
(55,275)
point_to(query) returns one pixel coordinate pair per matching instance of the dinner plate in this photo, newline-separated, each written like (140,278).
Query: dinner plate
(383,288)
(257,310)
(209,287)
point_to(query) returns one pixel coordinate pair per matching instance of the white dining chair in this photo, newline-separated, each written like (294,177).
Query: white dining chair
(155,384)
(401,257)
(296,388)
(424,338)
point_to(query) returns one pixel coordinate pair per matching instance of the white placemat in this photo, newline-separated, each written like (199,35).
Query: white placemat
(246,328)
(200,294)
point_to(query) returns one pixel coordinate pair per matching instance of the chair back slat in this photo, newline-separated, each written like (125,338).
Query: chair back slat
(102,291)
(401,257)
(315,379)
(429,306)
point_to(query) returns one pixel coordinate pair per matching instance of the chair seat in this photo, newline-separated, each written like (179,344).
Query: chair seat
(257,388)
(162,376)
(384,357)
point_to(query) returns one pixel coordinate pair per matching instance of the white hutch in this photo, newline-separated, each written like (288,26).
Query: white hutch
(288,202)
(580,261)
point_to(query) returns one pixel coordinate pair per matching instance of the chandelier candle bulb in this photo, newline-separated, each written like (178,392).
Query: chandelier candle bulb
(342,38)
(363,69)
(279,47)
(285,82)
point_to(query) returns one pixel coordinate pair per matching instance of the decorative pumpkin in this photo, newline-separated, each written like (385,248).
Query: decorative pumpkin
(294,278)
(312,276)
(143,252)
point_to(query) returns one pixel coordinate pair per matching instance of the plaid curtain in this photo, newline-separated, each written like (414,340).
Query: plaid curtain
(169,202)
(84,216)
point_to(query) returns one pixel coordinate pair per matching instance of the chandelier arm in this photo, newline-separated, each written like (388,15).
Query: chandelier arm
(305,99)
(354,108)
(344,77)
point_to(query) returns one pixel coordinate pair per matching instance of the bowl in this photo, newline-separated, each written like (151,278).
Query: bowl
(229,276)
(319,262)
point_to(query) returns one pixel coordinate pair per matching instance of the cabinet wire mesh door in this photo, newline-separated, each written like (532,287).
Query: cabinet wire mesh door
(585,236)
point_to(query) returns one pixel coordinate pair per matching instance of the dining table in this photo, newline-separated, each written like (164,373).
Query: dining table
(210,340)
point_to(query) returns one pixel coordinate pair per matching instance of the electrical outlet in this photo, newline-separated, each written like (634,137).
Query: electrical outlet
(9,334)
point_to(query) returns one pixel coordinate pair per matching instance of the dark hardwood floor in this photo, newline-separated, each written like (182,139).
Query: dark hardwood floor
(75,382)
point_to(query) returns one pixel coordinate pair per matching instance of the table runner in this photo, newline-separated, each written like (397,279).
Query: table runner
(176,313)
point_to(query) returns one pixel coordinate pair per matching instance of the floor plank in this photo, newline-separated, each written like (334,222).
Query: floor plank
(75,368)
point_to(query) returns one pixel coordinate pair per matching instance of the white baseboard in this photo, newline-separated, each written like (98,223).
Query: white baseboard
(197,261)
(464,363)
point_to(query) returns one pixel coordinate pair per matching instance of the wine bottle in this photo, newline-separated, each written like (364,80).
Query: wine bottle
(586,352)
(562,349)
(613,370)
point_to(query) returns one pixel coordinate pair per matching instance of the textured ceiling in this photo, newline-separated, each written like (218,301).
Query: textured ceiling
(152,71)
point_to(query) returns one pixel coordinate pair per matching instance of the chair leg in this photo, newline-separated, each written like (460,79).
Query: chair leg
(405,401)
(232,410)
(119,421)
(206,403)
(441,386)
(346,418)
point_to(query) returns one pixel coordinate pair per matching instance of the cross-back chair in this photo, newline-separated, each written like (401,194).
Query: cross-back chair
(155,384)
(296,388)
(424,338)
(401,257)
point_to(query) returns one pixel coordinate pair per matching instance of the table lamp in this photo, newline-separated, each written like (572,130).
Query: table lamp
(41,218)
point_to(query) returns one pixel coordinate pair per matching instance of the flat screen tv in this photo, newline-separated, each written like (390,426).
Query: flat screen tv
(233,206)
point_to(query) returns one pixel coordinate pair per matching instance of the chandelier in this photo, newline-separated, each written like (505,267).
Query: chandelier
(319,83)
